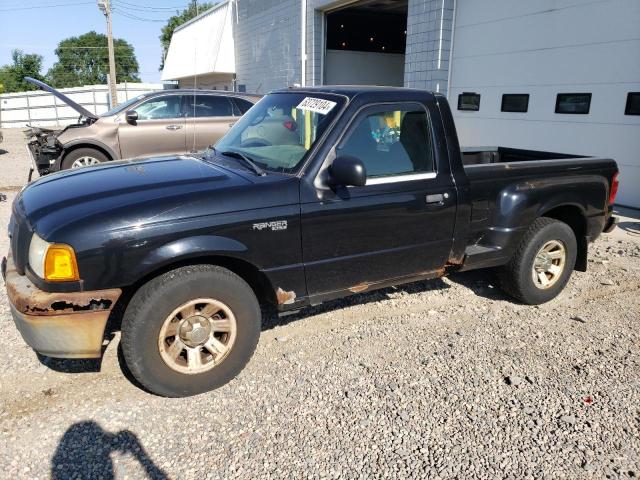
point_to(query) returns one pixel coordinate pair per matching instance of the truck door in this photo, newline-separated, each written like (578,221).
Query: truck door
(400,224)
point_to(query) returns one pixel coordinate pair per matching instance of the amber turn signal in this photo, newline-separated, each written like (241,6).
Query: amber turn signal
(60,264)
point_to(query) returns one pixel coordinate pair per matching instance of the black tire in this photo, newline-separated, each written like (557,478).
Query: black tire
(155,300)
(69,160)
(516,277)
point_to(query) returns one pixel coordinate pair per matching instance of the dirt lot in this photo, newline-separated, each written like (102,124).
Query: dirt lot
(439,379)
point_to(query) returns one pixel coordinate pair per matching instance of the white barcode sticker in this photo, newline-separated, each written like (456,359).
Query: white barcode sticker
(318,105)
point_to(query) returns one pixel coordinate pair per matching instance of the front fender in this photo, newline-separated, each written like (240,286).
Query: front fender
(187,248)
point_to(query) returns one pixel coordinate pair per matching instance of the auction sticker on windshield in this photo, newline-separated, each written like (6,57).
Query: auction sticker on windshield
(318,105)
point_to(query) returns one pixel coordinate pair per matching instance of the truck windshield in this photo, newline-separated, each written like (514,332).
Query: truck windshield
(280,129)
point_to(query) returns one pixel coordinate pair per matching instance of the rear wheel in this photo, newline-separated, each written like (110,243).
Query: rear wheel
(190,330)
(542,264)
(83,157)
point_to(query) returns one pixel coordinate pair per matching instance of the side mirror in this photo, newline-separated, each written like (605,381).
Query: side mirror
(346,171)
(131,116)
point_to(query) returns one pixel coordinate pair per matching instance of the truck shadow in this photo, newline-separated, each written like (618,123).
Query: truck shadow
(85,451)
(480,282)
(483,283)
(270,318)
(632,228)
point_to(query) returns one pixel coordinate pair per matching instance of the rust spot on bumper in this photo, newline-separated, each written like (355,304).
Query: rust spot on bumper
(285,298)
(29,299)
(60,324)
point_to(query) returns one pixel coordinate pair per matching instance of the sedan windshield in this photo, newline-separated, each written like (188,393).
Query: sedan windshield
(122,106)
(280,129)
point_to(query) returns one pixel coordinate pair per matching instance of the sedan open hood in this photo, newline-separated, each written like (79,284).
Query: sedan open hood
(76,106)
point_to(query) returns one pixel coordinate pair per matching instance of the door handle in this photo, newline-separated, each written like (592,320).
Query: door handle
(436,198)
(174,127)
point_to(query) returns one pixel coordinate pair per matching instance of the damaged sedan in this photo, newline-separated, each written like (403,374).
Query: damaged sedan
(152,124)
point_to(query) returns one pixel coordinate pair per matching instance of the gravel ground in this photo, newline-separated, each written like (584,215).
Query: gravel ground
(440,379)
(14,163)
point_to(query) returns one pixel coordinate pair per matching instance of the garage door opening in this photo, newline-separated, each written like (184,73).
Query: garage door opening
(366,43)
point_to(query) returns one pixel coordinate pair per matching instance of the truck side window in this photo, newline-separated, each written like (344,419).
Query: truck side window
(396,142)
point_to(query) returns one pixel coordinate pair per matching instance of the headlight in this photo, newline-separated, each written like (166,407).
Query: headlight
(54,262)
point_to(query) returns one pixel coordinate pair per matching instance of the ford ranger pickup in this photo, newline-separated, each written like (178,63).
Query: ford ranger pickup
(314,194)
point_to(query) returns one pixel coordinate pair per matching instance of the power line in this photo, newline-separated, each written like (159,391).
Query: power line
(22,47)
(45,6)
(135,17)
(148,8)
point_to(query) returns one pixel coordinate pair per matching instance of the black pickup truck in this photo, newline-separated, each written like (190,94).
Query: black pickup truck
(314,194)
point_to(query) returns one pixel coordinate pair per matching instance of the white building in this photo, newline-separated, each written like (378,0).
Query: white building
(571,66)
(545,49)
(201,53)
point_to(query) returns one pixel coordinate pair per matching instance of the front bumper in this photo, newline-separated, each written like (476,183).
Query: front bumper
(63,325)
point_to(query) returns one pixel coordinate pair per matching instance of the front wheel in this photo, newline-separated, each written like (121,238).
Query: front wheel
(542,264)
(190,330)
(83,157)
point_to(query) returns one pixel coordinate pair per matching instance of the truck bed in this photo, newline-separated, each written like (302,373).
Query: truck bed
(486,155)
(503,181)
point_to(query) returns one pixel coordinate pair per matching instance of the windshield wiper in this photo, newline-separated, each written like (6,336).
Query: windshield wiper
(247,160)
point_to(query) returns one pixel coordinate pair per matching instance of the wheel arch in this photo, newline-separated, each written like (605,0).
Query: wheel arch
(574,216)
(75,145)
(256,279)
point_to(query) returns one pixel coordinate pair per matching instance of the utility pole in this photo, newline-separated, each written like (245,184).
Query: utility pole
(105,6)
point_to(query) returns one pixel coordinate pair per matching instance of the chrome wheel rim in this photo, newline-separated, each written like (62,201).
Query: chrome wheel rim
(197,336)
(548,264)
(84,162)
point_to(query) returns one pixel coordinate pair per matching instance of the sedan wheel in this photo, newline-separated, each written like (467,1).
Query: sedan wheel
(85,162)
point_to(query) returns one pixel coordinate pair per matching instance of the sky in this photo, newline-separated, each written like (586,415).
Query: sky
(36,26)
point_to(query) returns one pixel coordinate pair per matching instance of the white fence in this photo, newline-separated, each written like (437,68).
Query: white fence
(42,109)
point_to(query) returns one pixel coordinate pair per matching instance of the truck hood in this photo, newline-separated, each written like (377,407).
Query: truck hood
(76,106)
(129,194)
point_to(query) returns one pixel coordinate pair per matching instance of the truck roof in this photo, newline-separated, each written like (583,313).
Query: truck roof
(353,90)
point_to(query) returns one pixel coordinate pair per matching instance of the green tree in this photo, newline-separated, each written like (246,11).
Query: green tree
(22,65)
(175,21)
(84,60)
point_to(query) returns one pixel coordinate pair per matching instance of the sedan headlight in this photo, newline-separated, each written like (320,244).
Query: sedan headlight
(55,262)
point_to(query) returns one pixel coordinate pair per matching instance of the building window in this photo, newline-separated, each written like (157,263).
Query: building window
(469,101)
(576,103)
(515,102)
(633,104)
